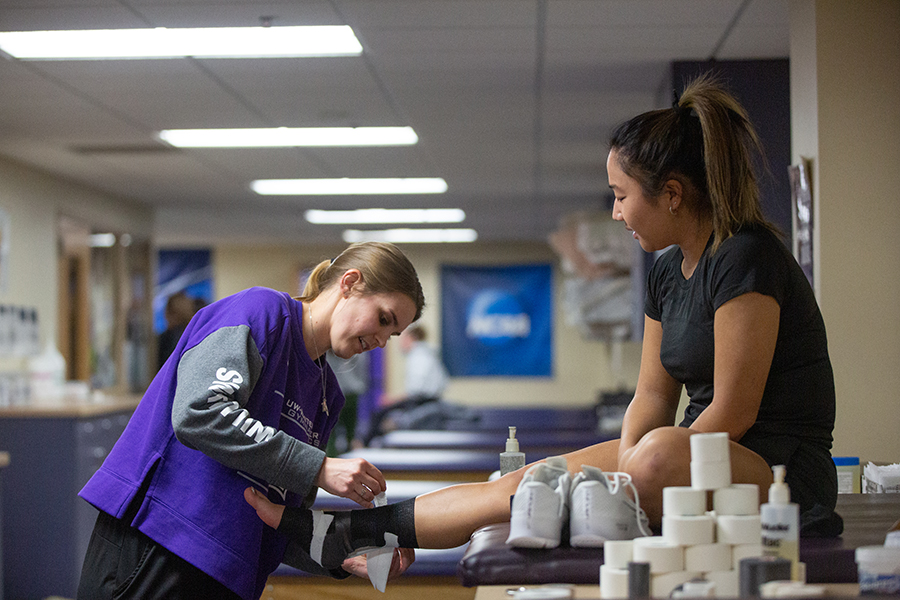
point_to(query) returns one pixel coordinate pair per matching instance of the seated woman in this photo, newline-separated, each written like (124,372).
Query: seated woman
(729,315)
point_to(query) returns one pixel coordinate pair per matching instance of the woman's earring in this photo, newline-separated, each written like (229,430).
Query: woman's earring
(672,210)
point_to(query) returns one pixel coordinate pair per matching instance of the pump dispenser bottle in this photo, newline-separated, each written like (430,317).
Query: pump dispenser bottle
(511,459)
(780,519)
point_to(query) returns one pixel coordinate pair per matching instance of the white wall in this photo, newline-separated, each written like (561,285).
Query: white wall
(34,201)
(845,96)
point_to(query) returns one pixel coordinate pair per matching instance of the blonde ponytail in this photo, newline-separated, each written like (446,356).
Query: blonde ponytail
(313,285)
(384,269)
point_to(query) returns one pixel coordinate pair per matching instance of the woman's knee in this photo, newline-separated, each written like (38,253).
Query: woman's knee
(660,458)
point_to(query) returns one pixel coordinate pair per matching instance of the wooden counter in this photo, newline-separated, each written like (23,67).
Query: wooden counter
(499,592)
(97,405)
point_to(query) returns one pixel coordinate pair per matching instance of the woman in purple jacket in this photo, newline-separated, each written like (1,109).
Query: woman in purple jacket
(245,398)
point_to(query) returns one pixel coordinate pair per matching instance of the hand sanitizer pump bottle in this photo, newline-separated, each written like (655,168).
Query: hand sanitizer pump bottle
(512,459)
(780,519)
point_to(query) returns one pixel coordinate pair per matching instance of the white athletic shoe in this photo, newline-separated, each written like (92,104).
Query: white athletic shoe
(601,509)
(539,508)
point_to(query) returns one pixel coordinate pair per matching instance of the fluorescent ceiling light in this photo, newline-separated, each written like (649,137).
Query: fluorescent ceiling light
(408,236)
(385,215)
(102,240)
(160,42)
(347,186)
(283,137)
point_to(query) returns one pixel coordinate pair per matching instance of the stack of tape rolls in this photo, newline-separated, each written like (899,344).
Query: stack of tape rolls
(614,570)
(696,543)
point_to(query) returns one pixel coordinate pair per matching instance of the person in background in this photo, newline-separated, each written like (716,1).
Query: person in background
(247,397)
(178,312)
(729,316)
(425,375)
(424,381)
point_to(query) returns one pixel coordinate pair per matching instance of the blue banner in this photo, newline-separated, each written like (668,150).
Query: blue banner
(188,271)
(497,321)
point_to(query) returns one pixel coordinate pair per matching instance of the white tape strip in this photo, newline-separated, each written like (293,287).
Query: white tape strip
(709,447)
(738,529)
(737,499)
(683,500)
(690,530)
(662,556)
(696,588)
(378,562)
(617,553)
(710,475)
(707,557)
(662,584)
(790,589)
(613,582)
(321,523)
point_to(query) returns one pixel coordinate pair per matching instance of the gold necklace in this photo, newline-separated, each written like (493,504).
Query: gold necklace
(319,358)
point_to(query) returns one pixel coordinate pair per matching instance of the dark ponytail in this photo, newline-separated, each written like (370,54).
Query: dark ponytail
(707,138)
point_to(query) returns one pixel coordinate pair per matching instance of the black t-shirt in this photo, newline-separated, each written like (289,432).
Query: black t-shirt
(796,416)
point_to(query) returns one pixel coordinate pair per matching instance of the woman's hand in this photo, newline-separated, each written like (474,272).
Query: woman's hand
(268,511)
(403,558)
(352,478)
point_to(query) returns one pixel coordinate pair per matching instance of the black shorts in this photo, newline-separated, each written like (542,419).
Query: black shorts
(811,475)
(122,563)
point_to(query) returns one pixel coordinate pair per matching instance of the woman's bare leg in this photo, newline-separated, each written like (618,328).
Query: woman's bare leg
(663,458)
(446,518)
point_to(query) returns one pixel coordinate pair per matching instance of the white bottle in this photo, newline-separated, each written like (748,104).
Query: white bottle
(512,459)
(47,373)
(780,519)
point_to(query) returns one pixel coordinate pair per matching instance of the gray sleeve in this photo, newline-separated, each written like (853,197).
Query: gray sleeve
(215,379)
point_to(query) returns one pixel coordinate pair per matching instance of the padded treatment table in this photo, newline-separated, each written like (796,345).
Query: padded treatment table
(448,465)
(540,441)
(428,465)
(489,561)
(526,419)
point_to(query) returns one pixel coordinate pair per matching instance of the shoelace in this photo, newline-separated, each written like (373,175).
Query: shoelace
(616,480)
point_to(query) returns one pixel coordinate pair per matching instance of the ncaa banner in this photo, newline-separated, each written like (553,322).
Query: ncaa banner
(497,320)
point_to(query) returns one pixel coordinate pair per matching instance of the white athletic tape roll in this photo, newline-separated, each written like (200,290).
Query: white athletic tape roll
(737,499)
(613,582)
(617,553)
(710,475)
(709,447)
(707,557)
(726,583)
(742,551)
(738,529)
(662,556)
(662,584)
(690,530)
(684,501)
